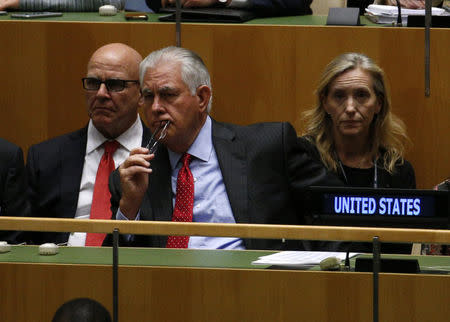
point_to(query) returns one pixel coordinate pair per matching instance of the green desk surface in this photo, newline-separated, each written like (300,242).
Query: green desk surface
(95,17)
(177,258)
(137,257)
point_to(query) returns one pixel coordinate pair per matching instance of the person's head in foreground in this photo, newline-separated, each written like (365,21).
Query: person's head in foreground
(82,310)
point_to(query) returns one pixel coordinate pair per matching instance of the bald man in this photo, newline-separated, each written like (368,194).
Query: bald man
(63,172)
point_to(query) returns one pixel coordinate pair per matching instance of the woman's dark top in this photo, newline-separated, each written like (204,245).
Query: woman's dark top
(402,178)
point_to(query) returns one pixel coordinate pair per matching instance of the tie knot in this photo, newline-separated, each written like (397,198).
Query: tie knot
(111,146)
(186,159)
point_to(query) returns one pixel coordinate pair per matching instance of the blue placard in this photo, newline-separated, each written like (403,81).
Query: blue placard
(377,207)
(384,205)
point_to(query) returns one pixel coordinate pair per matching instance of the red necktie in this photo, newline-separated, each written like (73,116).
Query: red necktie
(184,202)
(101,204)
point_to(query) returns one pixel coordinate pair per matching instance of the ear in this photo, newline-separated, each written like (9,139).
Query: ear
(141,100)
(204,95)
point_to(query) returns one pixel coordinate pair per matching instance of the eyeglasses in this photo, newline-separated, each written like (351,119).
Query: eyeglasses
(113,85)
(157,136)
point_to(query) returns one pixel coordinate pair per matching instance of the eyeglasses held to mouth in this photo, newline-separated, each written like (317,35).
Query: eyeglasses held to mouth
(159,134)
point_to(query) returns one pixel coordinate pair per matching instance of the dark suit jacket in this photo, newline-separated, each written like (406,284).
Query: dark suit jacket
(13,201)
(54,170)
(264,172)
(265,7)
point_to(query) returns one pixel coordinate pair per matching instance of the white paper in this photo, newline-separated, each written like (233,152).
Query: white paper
(392,11)
(299,258)
(388,14)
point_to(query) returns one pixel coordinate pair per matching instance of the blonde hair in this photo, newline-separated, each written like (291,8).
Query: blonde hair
(387,131)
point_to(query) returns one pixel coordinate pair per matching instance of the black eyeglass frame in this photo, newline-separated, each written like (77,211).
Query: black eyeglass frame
(107,83)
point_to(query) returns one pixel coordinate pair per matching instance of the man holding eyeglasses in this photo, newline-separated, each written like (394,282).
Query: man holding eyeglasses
(68,175)
(205,170)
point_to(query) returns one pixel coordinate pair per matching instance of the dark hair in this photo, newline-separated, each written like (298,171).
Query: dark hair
(82,310)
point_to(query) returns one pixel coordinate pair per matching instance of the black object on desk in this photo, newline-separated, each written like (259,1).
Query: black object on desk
(222,15)
(36,15)
(388,265)
(436,21)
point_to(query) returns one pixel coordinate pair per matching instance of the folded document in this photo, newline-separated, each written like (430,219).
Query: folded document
(299,258)
(388,14)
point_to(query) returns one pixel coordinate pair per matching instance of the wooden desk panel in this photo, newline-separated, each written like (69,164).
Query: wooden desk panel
(35,291)
(259,73)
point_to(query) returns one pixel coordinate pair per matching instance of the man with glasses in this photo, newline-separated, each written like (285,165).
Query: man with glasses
(68,175)
(207,171)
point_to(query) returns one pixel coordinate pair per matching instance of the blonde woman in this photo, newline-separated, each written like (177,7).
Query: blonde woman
(353,132)
(352,129)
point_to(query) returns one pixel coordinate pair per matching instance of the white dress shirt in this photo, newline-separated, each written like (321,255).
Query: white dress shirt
(130,139)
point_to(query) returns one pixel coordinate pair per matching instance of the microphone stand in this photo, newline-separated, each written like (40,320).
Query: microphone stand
(115,268)
(376,270)
(347,258)
(427,46)
(178,23)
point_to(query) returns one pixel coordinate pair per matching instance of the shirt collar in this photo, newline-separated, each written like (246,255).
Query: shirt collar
(129,139)
(201,148)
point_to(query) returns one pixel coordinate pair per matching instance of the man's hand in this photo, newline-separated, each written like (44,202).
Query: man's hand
(190,3)
(134,181)
(9,4)
(408,4)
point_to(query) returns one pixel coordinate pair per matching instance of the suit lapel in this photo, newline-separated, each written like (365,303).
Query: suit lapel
(231,154)
(72,162)
(145,134)
(159,193)
(160,188)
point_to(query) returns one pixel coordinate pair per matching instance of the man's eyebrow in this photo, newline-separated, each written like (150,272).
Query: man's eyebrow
(166,89)
(162,89)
